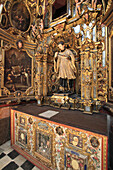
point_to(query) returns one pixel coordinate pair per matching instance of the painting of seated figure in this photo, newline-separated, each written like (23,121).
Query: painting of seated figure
(18,73)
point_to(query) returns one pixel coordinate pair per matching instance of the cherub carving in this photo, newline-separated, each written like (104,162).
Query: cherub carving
(78,6)
(41,25)
(33,30)
(94,2)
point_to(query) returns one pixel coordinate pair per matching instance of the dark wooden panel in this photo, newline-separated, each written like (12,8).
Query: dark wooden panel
(4,130)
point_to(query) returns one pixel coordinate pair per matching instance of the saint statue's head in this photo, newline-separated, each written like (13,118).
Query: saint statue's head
(61,45)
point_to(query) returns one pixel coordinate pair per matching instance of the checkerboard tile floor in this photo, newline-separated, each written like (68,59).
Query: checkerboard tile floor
(12,160)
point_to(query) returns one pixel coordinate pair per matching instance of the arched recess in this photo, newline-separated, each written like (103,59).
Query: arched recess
(70,40)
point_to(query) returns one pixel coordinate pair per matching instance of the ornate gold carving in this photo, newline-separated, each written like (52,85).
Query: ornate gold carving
(51,1)
(109,4)
(60,139)
(22,120)
(12,127)
(59,28)
(82,33)
(105,144)
(43,131)
(110,66)
(74,142)
(3,20)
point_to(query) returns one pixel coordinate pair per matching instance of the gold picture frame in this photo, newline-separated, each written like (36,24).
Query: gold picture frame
(43,143)
(110,97)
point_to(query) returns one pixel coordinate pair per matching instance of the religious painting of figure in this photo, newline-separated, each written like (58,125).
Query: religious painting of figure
(43,144)
(22,121)
(22,137)
(20,16)
(76,141)
(17,75)
(59,130)
(94,142)
(74,160)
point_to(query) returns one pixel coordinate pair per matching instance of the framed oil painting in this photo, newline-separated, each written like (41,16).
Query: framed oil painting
(18,70)
(76,141)
(60,9)
(20,16)
(44,144)
(22,121)
(22,137)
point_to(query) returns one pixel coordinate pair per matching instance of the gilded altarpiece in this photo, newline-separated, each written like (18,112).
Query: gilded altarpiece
(85,37)
(110,66)
(17,51)
(40,30)
(107,20)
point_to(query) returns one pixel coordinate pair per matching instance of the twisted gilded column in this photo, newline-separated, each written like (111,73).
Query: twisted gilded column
(45,75)
(38,78)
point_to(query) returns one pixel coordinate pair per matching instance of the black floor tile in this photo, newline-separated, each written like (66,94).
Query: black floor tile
(27,165)
(13,154)
(2,155)
(11,166)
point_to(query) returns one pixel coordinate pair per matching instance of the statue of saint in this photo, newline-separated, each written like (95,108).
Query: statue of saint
(64,67)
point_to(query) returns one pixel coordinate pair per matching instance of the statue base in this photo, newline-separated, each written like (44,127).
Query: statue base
(61,100)
(71,101)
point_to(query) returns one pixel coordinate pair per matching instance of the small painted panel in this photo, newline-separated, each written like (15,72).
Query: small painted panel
(75,140)
(22,121)
(43,144)
(75,160)
(22,136)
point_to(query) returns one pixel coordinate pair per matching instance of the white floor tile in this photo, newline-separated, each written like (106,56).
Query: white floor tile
(6,146)
(1,150)
(35,168)
(4,161)
(8,151)
(19,168)
(19,160)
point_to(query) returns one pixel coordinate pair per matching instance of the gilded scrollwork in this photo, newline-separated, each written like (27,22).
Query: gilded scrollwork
(108,5)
